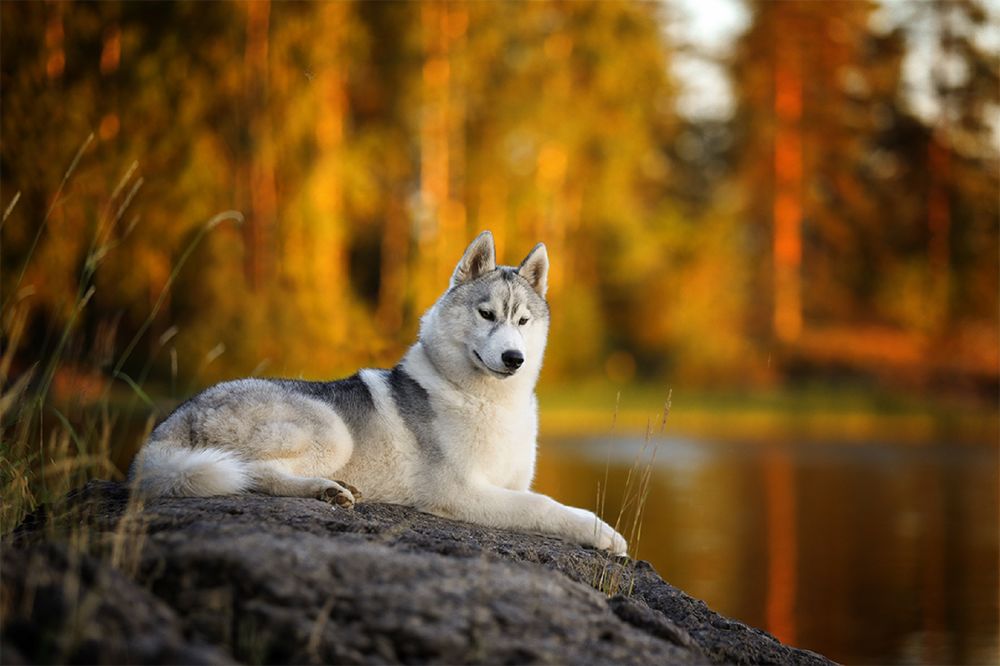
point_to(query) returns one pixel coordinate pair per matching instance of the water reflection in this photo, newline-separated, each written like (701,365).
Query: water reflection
(873,553)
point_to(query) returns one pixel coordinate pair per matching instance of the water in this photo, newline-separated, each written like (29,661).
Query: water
(866,553)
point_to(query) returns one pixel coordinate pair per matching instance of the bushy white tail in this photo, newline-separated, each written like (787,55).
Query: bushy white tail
(170,470)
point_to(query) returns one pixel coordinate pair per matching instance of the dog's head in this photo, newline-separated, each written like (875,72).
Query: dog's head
(493,321)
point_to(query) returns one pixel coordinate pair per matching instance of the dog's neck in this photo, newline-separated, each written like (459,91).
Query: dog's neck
(472,385)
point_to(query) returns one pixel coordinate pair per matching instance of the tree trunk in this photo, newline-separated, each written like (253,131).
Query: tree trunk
(259,226)
(787,213)
(441,224)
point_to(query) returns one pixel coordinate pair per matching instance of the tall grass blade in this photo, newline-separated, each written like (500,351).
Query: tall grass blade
(80,447)
(57,353)
(136,388)
(10,397)
(52,207)
(10,208)
(232,215)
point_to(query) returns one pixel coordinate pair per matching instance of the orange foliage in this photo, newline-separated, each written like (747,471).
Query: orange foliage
(364,144)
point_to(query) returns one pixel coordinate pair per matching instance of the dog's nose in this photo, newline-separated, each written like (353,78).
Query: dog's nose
(512,359)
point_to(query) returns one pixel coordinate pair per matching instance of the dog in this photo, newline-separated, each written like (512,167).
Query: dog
(451,430)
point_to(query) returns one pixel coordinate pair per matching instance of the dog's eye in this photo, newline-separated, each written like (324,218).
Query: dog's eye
(522,321)
(487,315)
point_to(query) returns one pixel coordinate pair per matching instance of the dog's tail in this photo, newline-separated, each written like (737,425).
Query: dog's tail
(162,469)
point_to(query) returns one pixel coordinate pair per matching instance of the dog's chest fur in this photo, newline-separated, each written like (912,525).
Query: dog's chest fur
(494,442)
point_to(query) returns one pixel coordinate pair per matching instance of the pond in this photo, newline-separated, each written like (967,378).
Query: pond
(865,552)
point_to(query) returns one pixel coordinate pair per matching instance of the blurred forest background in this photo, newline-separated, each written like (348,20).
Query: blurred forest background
(822,227)
(783,216)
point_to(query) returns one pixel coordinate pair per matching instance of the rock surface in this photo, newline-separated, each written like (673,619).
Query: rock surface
(257,579)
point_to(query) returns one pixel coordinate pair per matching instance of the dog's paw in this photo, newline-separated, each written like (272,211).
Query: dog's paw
(354,491)
(340,494)
(611,541)
(595,532)
(605,537)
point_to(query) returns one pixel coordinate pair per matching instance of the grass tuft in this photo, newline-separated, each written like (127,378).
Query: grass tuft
(54,441)
(615,575)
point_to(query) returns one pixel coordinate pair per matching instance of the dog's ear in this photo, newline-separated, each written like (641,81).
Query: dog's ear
(535,269)
(480,257)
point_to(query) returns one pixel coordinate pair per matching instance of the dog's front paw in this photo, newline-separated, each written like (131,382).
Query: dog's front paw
(340,494)
(610,540)
(595,532)
(354,491)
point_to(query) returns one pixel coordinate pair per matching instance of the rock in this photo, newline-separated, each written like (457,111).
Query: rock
(258,579)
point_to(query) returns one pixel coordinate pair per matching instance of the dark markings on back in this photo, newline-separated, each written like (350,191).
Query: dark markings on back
(176,409)
(414,406)
(350,397)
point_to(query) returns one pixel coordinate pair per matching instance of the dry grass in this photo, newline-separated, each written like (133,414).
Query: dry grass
(614,576)
(50,445)
(60,428)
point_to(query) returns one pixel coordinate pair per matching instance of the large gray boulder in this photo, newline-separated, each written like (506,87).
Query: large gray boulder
(258,579)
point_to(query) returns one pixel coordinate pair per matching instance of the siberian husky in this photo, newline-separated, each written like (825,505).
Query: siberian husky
(450,430)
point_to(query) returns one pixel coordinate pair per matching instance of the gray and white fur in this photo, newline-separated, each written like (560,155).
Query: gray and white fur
(451,430)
